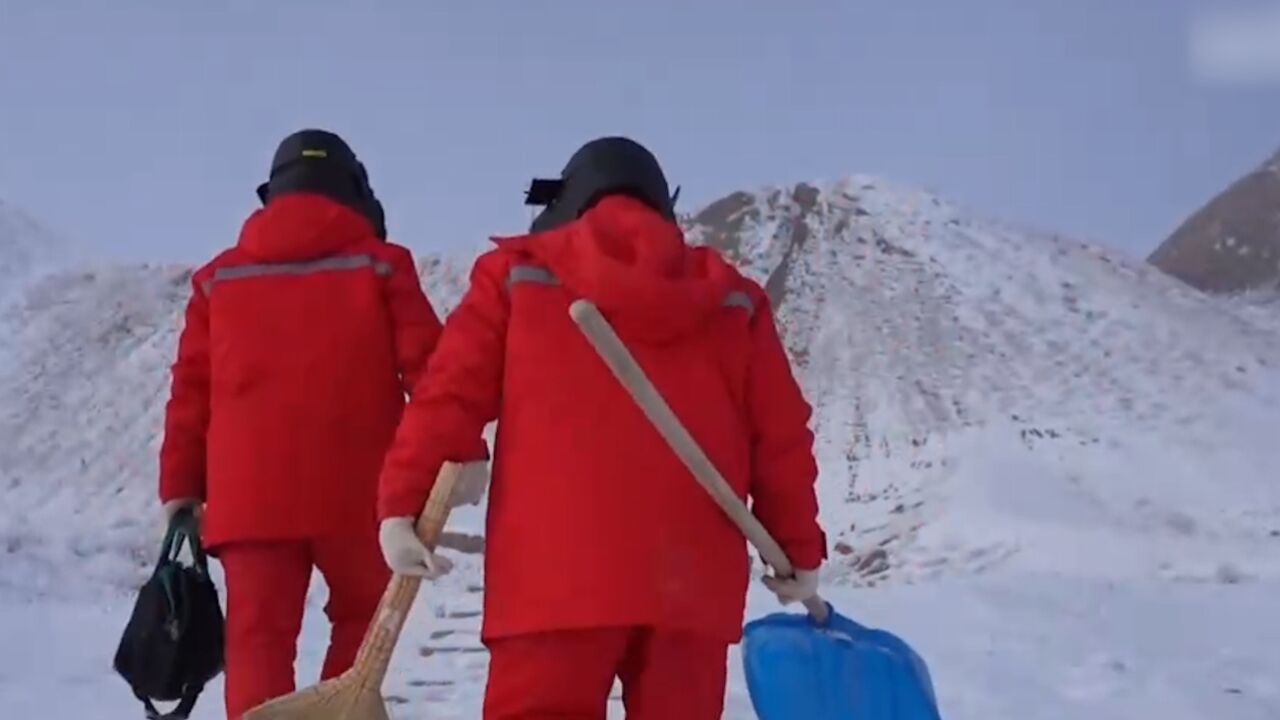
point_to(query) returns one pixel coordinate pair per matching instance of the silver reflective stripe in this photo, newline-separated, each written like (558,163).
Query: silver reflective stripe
(542,276)
(347,262)
(737,298)
(531,274)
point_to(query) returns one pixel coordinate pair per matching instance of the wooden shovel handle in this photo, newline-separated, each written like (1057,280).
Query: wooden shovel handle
(629,373)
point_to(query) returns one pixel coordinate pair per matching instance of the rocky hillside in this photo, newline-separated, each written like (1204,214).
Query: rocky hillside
(1233,243)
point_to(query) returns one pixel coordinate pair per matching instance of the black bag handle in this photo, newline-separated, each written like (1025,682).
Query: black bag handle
(183,528)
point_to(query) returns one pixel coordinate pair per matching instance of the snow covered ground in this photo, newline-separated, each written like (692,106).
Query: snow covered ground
(1025,645)
(1049,468)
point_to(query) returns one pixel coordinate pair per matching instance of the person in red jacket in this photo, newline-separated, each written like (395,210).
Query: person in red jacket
(299,346)
(604,557)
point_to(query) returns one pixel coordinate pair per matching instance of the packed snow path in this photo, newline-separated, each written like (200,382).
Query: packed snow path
(1032,647)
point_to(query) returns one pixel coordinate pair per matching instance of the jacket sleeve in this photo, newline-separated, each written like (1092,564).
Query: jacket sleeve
(186,422)
(783,468)
(414,321)
(452,403)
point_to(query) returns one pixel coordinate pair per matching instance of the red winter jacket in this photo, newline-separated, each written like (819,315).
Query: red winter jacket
(592,520)
(299,346)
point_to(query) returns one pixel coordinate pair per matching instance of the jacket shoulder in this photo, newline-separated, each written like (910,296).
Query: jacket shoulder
(497,262)
(739,284)
(229,257)
(742,283)
(383,249)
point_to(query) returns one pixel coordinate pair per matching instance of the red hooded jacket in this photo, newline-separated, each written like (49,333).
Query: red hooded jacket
(593,521)
(298,349)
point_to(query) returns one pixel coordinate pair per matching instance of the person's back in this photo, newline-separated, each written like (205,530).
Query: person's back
(582,476)
(299,346)
(305,381)
(603,556)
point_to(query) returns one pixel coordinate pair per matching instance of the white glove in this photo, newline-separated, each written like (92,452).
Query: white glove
(404,552)
(173,507)
(472,481)
(794,589)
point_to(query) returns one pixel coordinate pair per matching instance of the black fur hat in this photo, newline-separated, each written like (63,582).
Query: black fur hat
(321,162)
(605,166)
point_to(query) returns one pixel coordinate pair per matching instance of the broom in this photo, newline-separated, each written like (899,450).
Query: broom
(357,693)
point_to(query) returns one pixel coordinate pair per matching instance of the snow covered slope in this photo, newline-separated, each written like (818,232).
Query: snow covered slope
(1050,468)
(989,395)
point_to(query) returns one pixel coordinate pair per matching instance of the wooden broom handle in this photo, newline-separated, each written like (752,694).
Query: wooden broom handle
(628,372)
(436,512)
(380,639)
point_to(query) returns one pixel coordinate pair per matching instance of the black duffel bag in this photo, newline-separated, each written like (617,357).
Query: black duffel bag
(173,643)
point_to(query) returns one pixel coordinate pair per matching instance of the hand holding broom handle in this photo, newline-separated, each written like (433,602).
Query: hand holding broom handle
(383,633)
(357,693)
(628,372)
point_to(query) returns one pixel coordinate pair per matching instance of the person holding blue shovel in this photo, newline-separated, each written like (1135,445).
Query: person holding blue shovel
(604,557)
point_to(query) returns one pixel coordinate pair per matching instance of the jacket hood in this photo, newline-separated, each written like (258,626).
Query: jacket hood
(634,264)
(302,226)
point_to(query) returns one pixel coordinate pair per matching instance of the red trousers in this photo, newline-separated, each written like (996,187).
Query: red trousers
(266,593)
(666,675)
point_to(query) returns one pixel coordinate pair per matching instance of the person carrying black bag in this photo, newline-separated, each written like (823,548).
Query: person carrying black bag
(173,643)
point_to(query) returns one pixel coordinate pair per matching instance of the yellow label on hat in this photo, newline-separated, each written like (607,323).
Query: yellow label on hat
(315,153)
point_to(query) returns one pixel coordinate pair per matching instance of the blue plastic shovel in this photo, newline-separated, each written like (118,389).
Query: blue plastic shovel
(819,666)
(797,668)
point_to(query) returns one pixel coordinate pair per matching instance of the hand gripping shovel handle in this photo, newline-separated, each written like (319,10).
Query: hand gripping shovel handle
(628,372)
(357,693)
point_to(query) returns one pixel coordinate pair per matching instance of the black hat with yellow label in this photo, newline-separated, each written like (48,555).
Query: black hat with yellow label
(321,162)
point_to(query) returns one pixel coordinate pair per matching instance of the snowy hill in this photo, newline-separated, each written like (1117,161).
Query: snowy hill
(1050,468)
(928,339)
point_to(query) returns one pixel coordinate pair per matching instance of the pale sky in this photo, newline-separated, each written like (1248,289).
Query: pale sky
(140,129)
